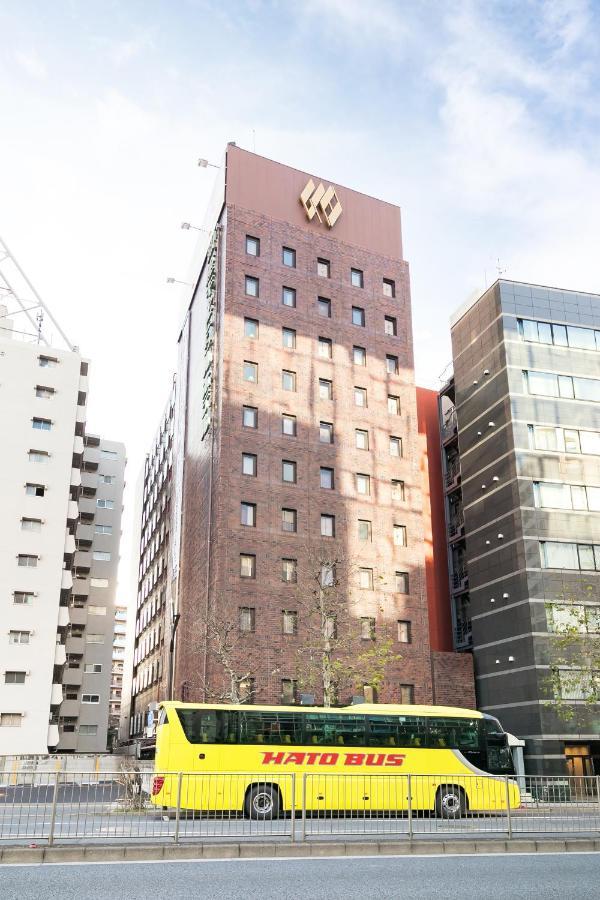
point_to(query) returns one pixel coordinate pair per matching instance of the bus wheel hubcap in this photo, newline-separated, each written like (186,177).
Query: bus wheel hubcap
(451,802)
(262,803)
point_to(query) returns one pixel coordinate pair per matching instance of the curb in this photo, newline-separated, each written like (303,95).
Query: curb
(171,852)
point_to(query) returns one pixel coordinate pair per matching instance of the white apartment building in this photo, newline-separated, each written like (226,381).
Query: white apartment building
(43,393)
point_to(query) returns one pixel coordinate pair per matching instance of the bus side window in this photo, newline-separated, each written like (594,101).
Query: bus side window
(227,727)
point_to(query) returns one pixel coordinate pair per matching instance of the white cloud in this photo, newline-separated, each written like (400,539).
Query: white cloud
(31,63)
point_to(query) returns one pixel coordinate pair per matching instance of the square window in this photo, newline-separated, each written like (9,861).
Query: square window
(248,514)
(367,628)
(252,245)
(38,456)
(361,439)
(249,417)
(323,268)
(389,287)
(45,392)
(289,570)
(325,348)
(251,286)
(35,490)
(400,535)
(14,677)
(325,389)
(363,484)
(360,397)
(397,489)
(31,524)
(365,579)
(250,371)
(365,530)
(289,520)
(326,432)
(251,328)
(391,365)
(327,479)
(395,446)
(327,525)
(288,380)
(324,307)
(328,575)
(47,362)
(288,471)
(393,404)
(26,561)
(359,356)
(288,425)
(41,424)
(290,621)
(407,693)
(358,316)
(288,257)
(247,618)
(404,636)
(288,338)
(391,326)
(356,278)
(249,464)
(288,296)
(23,598)
(247,565)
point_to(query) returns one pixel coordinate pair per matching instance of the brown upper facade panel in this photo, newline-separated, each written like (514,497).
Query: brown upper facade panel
(268,187)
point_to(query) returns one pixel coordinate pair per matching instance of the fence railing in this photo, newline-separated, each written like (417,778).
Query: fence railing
(66,807)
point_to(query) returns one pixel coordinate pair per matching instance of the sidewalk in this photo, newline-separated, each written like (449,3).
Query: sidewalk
(133,852)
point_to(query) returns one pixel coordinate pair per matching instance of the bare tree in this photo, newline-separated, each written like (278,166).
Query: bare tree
(574,654)
(334,653)
(226,644)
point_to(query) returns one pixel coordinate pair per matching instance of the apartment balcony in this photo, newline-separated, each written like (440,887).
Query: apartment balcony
(53,735)
(67,740)
(63,616)
(69,708)
(80,415)
(89,479)
(81,587)
(85,532)
(72,509)
(456,528)
(77,445)
(76,477)
(60,655)
(84,385)
(452,475)
(91,456)
(87,506)
(77,616)
(67,580)
(75,646)
(460,579)
(83,559)
(69,543)
(56,695)
(449,427)
(73,677)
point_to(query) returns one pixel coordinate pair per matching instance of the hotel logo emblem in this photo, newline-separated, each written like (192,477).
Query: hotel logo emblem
(321,202)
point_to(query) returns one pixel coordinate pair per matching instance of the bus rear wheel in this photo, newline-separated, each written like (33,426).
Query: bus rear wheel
(262,802)
(450,802)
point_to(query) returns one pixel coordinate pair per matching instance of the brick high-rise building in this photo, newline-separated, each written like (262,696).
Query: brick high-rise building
(297,429)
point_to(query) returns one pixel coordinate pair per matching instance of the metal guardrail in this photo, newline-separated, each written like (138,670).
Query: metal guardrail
(64,807)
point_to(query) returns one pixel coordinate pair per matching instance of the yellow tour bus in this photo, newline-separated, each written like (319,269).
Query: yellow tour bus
(352,759)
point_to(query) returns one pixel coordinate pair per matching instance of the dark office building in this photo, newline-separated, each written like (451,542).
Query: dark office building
(521,447)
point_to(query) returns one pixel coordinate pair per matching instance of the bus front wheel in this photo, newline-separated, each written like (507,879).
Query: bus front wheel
(262,802)
(450,802)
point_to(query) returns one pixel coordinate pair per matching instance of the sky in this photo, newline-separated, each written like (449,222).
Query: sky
(480,119)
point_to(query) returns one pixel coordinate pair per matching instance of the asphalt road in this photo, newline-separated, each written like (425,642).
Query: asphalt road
(98,821)
(569,876)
